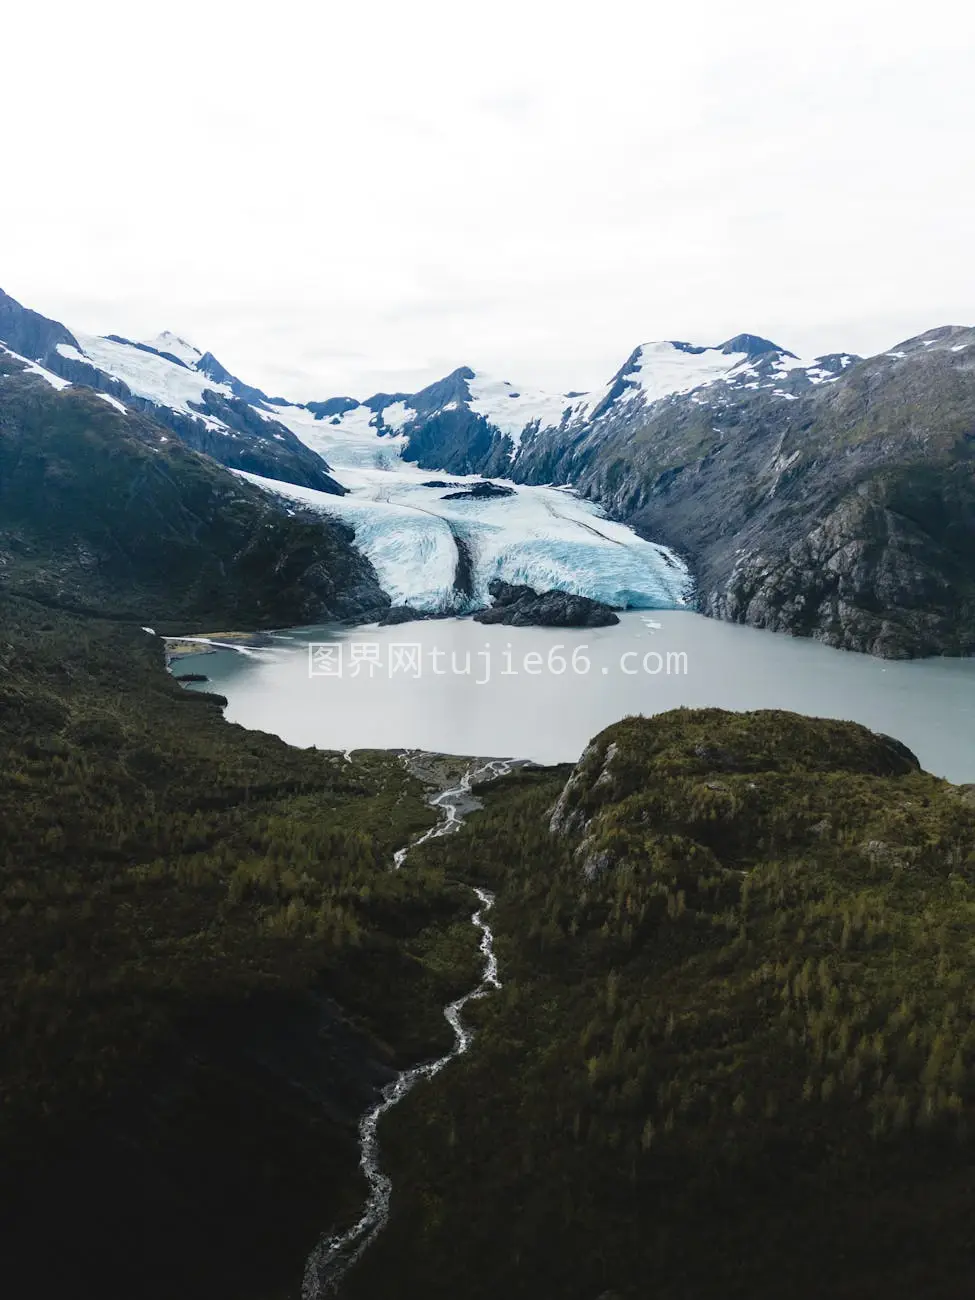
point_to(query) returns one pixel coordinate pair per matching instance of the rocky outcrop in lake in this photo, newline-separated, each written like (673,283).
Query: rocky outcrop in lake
(520,606)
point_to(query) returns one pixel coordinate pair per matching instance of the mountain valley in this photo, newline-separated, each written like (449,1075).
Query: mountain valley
(833,499)
(728,1050)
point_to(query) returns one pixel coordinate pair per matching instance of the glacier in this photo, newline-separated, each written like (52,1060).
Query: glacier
(439,555)
(430,552)
(545,537)
(149,376)
(436,555)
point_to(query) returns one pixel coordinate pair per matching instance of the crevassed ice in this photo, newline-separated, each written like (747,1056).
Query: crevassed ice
(544,537)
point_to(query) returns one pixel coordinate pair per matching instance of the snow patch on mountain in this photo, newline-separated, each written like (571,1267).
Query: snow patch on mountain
(147,375)
(113,401)
(35,368)
(512,409)
(665,369)
(396,414)
(176,347)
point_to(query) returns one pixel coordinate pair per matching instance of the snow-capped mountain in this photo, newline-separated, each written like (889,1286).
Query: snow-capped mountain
(171,345)
(185,389)
(467,422)
(714,374)
(471,421)
(361,460)
(434,546)
(719,452)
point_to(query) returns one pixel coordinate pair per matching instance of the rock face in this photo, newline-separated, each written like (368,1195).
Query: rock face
(28,332)
(519,606)
(888,570)
(485,491)
(845,513)
(397,614)
(834,499)
(101,509)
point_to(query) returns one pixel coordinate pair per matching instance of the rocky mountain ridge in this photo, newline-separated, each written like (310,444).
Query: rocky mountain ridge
(832,499)
(101,511)
(847,513)
(196,397)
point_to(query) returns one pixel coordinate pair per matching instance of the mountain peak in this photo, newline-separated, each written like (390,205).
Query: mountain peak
(952,337)
(172,345)
(753,345)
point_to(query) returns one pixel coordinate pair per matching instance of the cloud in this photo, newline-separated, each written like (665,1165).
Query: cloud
(359,200)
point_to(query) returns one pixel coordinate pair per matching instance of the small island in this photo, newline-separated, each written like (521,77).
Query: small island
(523,606)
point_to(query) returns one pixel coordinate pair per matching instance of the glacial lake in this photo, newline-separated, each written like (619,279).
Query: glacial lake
(455,686)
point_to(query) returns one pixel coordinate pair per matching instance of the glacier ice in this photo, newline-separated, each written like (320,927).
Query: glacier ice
(440,555)
(545,537)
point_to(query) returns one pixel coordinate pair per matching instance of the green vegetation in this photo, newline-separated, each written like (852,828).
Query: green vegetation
(206,969)
(734,1050)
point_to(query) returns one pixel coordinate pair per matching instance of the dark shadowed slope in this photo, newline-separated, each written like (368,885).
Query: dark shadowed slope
(105,510)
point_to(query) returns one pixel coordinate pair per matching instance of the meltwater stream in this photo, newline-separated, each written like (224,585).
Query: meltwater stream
(334,1255)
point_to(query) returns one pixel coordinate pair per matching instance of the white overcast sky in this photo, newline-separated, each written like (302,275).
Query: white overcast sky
(345,197)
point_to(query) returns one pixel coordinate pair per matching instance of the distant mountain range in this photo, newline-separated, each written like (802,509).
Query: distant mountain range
(833,498)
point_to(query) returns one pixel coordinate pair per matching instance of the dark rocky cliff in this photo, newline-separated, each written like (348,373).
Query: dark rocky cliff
(103,510)
(842,510)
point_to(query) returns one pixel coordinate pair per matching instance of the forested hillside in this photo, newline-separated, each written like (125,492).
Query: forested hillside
(733,1055)
(207,967)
